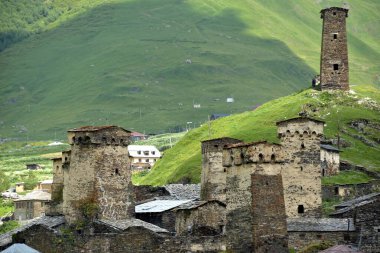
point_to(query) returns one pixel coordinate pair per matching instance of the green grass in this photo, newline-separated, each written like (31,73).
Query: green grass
(183,161)
(8,226)
(347,177)
(6,206)
(124,62)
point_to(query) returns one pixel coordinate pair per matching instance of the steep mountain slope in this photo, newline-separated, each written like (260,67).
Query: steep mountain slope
(143,64)
(339,110)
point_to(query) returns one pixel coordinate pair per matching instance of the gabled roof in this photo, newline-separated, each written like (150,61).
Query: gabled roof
(184,191)
(36,195)
(158,206)
(46,221)
(95,128)
(320,224)
(299,118)
(127,223)
(329,148)
(196,204)
(352,204)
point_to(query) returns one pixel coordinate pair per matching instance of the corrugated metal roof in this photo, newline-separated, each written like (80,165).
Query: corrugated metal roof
(320,224)
(19,248)
(158,206)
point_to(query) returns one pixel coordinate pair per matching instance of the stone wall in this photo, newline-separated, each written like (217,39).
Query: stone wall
(241,161)
(165,219)
(329,162)
(334,56)
(300,139)
(146,192)
(367,221)
(349,191)
(97,182)
(132,240)
(29,209)
(300,240)
(268,214)
(213,178)
(207,219)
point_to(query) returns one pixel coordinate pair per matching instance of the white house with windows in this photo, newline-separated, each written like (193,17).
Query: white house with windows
(143,156)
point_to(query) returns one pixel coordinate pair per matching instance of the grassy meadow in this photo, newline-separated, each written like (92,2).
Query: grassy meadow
(143,64)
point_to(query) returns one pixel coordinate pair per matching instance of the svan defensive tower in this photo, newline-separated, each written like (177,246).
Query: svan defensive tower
(334,55)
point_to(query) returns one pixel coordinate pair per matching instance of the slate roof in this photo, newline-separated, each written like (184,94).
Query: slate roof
(196,204)
(341,249)
(36,195)
(127,223)
(357,201)
(320,225)
(352,204)
(221,138)
(330,148)
(299,118)
(46,221)
(184,191)
(158,206)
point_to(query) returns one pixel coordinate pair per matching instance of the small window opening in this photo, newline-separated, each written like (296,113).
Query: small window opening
(301,209)
(57,167)
(215,146)
(225,146)
(73,139)
(336,190)
(147,160)
(121,140)
(140,160)
(104,139)
(314,133)
(323,172)
(80,139)
(261,157)
(113,140)
(242,156)
(266,183)
(296,132)
(301,168)
(336,66)
(117,172)
(334,13)
(287,131)
(305,133)
(302,146)
(87,139)
(335,36)
(139,152)
(273,157)
(301,188)
(153,152)
(65,158)
(224,170)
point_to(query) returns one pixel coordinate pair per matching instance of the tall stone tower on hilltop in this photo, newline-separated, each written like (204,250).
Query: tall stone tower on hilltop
(334,55)
(97,182)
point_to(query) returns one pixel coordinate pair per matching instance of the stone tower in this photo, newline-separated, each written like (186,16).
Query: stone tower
(213,179)
(300,139)
(334,56)
(97,181)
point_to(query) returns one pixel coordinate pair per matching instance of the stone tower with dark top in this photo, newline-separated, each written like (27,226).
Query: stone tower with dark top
(334,55)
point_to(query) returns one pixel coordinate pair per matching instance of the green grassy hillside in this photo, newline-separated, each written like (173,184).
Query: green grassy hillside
(183,161)
(128,62)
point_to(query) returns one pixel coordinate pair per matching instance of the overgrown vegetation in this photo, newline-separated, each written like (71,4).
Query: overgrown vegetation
(336,108)
(317,247)
(6,206)
(347,177)
(8,226)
